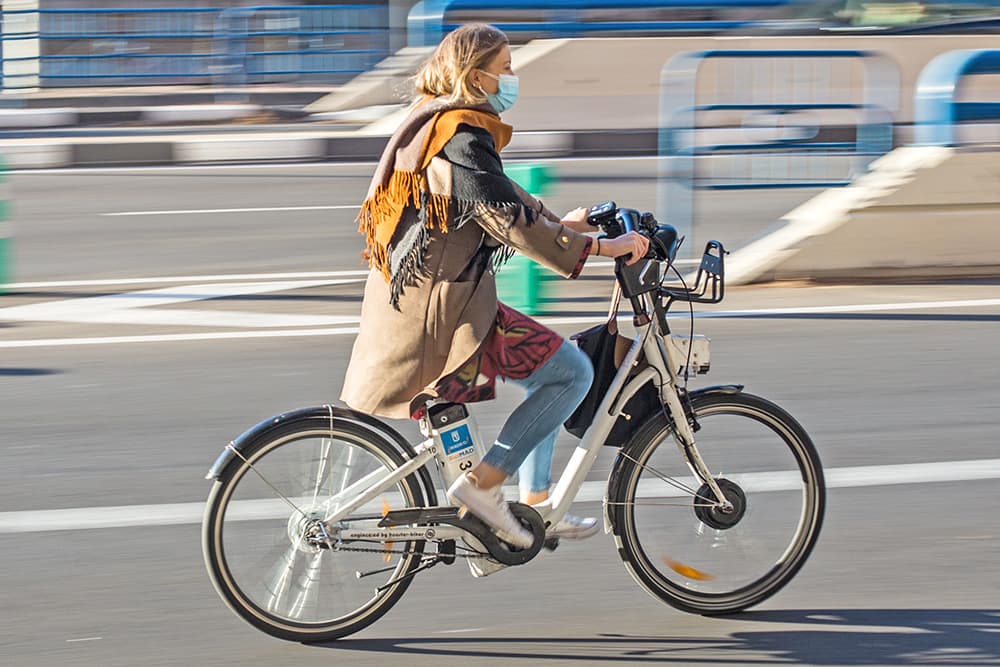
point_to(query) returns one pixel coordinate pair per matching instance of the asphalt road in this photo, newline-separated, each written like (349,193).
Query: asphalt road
(125,400)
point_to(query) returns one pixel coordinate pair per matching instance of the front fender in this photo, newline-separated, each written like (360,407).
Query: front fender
(334,413)
(716,389)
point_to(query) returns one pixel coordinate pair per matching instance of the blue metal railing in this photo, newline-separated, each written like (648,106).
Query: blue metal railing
(773,114)
(565,18)
(937,110)
(136,46)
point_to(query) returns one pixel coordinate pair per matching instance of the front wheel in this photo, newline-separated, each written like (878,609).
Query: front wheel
(675,538)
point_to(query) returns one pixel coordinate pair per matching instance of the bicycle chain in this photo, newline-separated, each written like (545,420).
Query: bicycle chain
(474,554)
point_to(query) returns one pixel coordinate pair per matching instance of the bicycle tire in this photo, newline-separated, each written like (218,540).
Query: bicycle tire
(702,533)
(234,588)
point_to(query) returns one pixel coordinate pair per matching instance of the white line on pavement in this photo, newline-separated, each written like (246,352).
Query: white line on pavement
(176,338)
(856,308)
(182,279)
(69,171)
(550,321)
(135,307)
(83,518)
(195,211)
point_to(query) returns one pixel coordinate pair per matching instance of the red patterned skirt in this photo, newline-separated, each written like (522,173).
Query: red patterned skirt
(515,348)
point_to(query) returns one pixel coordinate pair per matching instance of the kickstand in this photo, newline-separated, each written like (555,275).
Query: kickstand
(426,564)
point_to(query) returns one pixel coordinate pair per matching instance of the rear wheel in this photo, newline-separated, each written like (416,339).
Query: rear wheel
(266,504)
(676,539)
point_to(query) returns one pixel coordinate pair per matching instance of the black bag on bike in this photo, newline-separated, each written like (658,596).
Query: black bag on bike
(606,349)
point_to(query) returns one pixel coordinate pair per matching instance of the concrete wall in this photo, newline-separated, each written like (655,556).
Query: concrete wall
(941,221)
(614,83)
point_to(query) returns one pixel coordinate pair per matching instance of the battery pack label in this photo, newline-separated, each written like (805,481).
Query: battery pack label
(457,439)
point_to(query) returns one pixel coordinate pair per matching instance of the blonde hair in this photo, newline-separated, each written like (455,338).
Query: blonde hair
(447,72)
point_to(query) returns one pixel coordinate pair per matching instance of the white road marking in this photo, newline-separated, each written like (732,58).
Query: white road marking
(132,307)
(83,639)
(187,167)
(176,338)
(204,318)
(196,318)
(856,308)
(88,518)
(262,209)
(183,279)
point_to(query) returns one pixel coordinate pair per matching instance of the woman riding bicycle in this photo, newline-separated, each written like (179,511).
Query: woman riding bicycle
(439,217)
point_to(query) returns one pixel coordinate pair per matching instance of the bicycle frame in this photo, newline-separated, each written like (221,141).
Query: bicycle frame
(661,369)
(368,493)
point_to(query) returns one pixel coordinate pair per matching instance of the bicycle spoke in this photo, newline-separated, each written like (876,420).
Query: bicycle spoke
(710,558)
(309,588)
(273,558)
(321,469)
(650,503)
(281,578)
(264,479)
(669,480)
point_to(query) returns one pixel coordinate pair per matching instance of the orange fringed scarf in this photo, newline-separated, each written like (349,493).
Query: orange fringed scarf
(400,180)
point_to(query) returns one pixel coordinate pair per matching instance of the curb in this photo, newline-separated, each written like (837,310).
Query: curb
(304,146)
(37,148)
(176,113)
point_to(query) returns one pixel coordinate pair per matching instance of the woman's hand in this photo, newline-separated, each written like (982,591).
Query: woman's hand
(633,242)
(577,220)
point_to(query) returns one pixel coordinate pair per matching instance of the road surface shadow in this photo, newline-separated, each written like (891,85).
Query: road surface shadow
(930,637)
(26,372)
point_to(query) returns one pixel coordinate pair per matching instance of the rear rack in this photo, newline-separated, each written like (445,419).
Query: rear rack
(709,285)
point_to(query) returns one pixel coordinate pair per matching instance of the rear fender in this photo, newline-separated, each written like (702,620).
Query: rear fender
(334,414)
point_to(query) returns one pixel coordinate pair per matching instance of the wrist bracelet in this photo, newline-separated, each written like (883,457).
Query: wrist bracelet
(598,247)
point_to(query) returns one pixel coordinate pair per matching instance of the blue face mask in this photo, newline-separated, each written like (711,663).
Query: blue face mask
(505,97)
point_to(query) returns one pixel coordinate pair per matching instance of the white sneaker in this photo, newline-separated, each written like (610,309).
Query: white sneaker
(574,528)
(481,566)
(490,506)
(484,567)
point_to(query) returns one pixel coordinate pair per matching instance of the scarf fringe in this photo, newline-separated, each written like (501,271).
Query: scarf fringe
(408,269)
(434,211)
(405,188)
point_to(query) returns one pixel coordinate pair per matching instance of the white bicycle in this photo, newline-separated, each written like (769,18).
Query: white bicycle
(310,507)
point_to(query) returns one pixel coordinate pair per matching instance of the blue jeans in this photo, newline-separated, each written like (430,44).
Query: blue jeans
(527,439)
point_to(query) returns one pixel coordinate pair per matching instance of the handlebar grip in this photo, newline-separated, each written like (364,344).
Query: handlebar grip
(601,213)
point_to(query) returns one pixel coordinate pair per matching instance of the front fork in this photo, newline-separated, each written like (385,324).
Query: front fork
(683,431)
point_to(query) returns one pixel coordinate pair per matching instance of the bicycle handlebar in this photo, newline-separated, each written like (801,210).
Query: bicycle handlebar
(635,279)
(614,221)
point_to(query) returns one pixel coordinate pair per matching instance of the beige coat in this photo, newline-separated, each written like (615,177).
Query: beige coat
(399,355)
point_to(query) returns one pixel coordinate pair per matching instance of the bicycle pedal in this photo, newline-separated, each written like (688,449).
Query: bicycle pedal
(550,543)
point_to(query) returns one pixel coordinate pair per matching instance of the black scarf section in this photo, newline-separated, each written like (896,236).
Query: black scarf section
(479,188)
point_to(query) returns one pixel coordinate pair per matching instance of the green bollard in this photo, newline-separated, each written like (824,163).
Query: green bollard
(522,283)
(5,234)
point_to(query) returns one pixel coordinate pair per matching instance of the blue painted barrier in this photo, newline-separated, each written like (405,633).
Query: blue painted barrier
(426,24)
(144,45)
(788,90)
(937,111)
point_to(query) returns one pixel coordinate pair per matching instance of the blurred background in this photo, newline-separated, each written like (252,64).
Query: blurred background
(179,260)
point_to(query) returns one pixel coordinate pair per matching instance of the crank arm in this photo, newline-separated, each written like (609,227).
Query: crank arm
(469,523)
